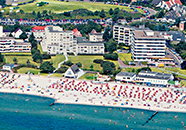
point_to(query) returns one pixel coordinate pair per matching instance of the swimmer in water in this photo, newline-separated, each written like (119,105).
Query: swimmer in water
(95,111)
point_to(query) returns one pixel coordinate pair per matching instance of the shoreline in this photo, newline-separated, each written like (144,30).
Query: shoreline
(72,91)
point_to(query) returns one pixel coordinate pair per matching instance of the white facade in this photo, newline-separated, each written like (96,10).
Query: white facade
(147,45)
(9,44)
(74,72)
(17,33)
(154,78)
(1,32)
(125,76)
(122,34)
(56,41)
(98,37)
(8,67)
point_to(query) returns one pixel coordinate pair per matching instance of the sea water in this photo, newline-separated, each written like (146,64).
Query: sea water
(25,112)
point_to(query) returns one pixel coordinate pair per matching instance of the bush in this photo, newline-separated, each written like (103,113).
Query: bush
(62,69)
(46,56)
(113,56)
(79,64)
(68,63)
(98,61)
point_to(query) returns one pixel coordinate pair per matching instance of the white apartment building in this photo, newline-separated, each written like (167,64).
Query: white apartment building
(9,44)
(59,41)
(56,41)
(96,37)
(38,31)
(88,47)
(122,34)
(147,44)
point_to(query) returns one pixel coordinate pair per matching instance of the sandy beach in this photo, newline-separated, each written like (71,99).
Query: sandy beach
(72,91)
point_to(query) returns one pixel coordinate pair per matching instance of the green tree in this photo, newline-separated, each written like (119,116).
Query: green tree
(34,44)
(37,57)
(128,18)
(46,67)
(116,11)
(96,13)
(23,36)
(31,38)
(111,46)
(68,63)
(15,60)
(28,62)
(102,14)
(91,66)
(1,57)
(108,67)
(34,13)
(21,11)
(38,14)
(106,35)
(79,64)
(2,2)
(111,11)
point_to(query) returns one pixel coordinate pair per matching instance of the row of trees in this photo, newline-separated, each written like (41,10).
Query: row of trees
(75,14)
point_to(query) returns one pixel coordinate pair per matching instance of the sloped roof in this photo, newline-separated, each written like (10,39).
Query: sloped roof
(75,68)
(38,28)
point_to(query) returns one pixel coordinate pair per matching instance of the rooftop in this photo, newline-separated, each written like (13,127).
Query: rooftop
(84,41)
(144,34)
(126,74)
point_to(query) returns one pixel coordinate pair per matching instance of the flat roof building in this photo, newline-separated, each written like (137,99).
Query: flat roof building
(147,44)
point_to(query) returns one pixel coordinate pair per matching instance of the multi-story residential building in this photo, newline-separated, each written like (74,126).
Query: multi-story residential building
(88,47)
(123,34)
(95,36)
(59,41)
(9,44)
(56,41)
(147,44)
(38,31)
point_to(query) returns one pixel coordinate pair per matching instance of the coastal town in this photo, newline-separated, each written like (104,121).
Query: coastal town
(126,54)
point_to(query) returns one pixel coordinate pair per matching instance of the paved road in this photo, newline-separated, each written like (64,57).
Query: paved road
(174,56)
(151,11)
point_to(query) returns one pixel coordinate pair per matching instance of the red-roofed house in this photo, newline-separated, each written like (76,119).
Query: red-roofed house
(168,4)
(76,33)
(38,31)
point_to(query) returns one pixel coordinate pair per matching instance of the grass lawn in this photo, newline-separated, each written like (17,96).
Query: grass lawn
(57,59)
(17,53)
(39,48)
(89,76)
(59,6)
(87,60)
(125,56)
(24,70)
(20,59)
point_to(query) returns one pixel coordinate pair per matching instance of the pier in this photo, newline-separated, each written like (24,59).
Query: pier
(150,118)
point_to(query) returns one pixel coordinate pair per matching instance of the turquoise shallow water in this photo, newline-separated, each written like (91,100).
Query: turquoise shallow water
(36,114)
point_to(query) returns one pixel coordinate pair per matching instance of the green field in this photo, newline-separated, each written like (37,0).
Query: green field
(86,61)
(22,59)
(125,56)
(24,70)
(59,6)
(89,76)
